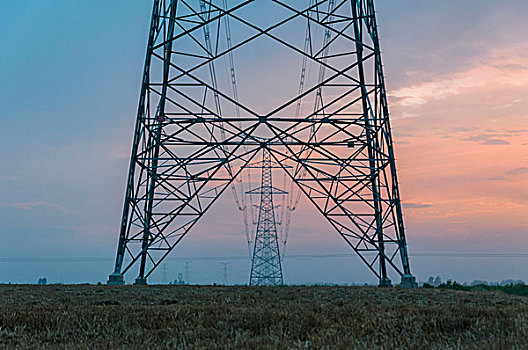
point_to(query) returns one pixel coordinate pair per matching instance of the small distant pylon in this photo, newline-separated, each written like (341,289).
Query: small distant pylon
(180,280)
(225,280)
(266,268)
(187,275)
(164,278)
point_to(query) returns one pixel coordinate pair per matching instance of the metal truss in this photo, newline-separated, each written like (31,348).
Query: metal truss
(266,268)
(194,136)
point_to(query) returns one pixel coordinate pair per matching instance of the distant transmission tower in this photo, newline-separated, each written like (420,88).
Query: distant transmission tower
(266,268)
(225,280)
(187,274)
(200,123)
(164,278)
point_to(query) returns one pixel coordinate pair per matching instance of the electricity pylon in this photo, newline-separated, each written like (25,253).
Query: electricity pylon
(225,280)
(266,268)
(194,135)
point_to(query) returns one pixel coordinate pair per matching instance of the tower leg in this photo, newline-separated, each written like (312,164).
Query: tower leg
(180,163)
(346,165)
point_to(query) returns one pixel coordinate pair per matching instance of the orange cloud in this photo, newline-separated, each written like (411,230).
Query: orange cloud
(465,152)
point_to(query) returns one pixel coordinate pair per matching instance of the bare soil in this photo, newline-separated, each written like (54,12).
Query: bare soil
(227,317)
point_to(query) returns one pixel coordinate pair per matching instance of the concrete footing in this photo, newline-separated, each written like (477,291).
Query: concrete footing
(115,279)
(385,283)
(141,281)
(408,281)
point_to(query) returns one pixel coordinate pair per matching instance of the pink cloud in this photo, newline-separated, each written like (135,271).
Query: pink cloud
(511,71)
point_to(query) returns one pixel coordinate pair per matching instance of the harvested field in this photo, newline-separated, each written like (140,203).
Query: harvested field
(218,317)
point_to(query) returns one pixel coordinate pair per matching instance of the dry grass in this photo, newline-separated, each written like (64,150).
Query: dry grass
(258,318)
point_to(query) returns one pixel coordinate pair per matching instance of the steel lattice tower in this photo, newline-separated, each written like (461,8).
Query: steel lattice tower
(194,135)
(266,268)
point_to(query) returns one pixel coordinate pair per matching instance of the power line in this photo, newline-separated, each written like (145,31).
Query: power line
(287,257)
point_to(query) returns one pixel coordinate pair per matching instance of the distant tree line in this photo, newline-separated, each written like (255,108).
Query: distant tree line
(516,287)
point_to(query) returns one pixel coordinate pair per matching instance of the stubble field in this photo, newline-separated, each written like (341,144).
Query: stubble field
(222,317)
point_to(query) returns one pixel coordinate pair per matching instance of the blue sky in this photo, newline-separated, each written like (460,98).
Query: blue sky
(70,74)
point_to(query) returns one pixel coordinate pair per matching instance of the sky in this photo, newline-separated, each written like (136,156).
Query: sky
(457,80)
